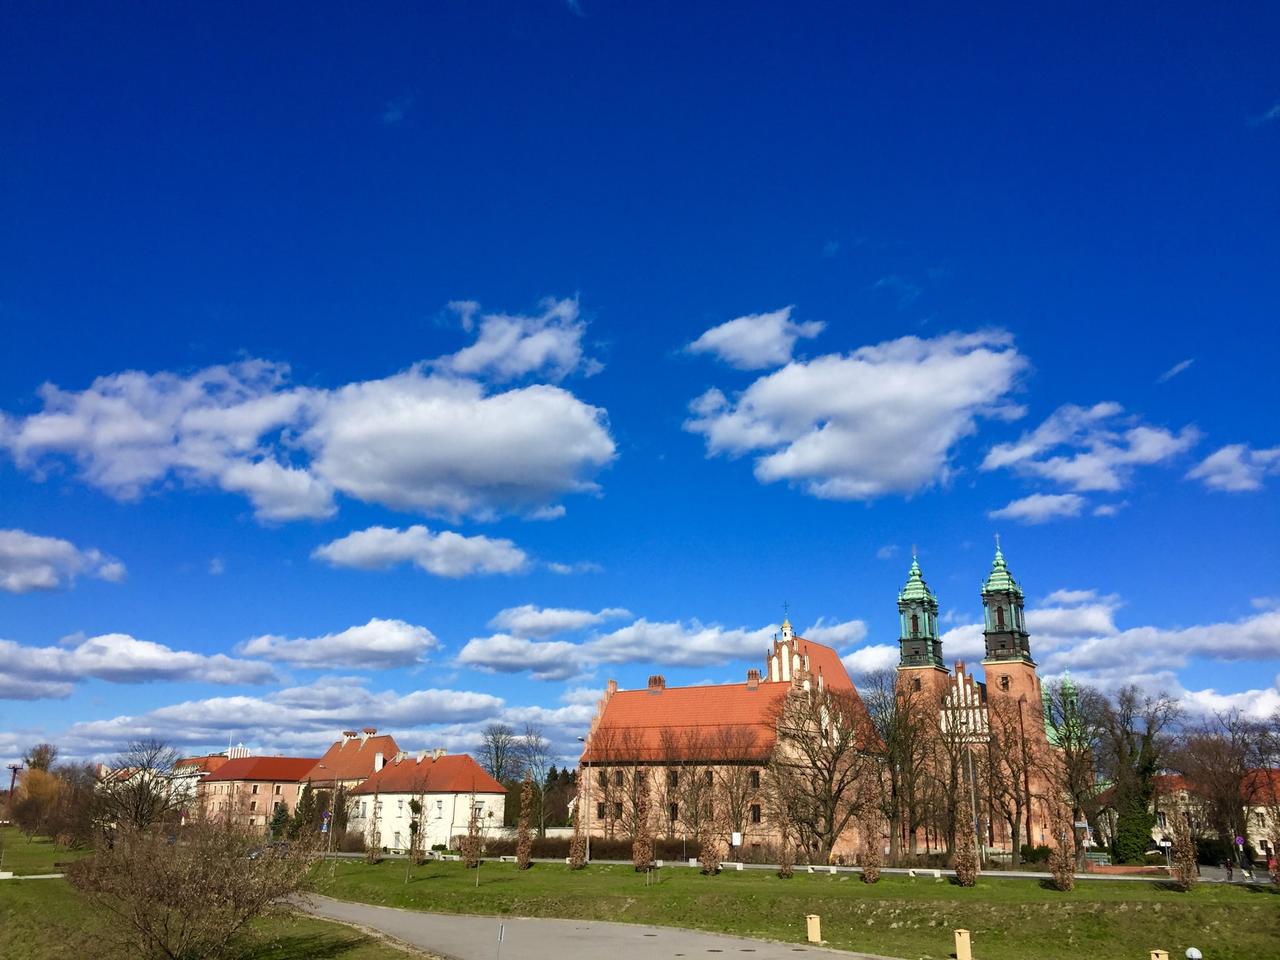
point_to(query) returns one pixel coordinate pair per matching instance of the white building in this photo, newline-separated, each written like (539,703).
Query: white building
(446,787)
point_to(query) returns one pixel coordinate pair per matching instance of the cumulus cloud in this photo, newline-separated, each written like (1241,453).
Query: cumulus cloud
(447,447)
(437,439)
(1089,448)
(31,562)
(510,346)
(836,635)
(756,341)
(869,659)
(378,644)
(445,554)
(531,621)
(835,425)
(503,653)
(34,672)
(1236,468)
(1040,508)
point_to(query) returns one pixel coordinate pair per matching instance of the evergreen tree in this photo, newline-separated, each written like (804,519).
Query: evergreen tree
(1133,831)
(304,814)
(279,821)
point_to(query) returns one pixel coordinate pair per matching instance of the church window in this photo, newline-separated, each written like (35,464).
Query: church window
(1004,681)
(1000,617)
(915,625)
(673,778)
(755,813)
(673,812)
(617,778)
(755,779)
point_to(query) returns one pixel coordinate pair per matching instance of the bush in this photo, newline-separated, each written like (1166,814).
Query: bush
(1037,854)
(351,842)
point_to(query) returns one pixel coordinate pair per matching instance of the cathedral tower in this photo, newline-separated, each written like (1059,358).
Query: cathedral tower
(920,664)
(1008,664)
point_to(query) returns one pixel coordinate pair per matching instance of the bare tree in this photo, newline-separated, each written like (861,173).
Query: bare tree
(137,791)
(1075,715)
(1135,743)
(736,777)
(821,768)
(535,758)
(1011,758)
(500,752)
(194,898)
(1215,758)
(40,757)
(905,721)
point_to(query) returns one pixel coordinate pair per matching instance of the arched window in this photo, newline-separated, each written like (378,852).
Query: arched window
(1000,617)
(915,625)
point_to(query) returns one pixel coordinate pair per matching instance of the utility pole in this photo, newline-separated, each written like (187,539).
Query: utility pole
(13,779)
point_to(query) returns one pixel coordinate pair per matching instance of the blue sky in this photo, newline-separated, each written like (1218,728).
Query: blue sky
(431,365)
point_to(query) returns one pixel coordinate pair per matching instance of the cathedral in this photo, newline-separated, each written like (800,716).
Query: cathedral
(688,749)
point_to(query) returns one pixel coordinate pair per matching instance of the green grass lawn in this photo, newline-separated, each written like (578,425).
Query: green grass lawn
(49,920)
(1010,919)
(39,855)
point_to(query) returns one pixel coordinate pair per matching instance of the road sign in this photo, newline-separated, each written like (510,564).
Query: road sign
(1081,823)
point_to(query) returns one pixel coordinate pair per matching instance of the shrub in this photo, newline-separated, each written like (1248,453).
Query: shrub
(1184,856)
(1062,858)
(1037,854)
(524,841)
(966,857)
(872,850)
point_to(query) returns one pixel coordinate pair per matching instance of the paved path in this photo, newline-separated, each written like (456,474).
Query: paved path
(476,938)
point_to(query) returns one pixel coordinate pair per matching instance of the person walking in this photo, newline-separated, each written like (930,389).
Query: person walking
(1231,870)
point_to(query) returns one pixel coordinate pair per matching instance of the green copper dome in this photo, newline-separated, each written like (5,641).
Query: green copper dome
(1000,579)
(916,588)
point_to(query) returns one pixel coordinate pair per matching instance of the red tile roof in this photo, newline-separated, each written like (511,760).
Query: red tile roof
(274,769)
(205,764)
(449,774)
(352,758)
(651,724)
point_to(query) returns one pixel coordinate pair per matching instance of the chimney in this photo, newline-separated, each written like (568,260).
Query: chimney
(348,735)
(437,753)
(753,678)
(611,688)
(657,683)
(422,755)
(377,761)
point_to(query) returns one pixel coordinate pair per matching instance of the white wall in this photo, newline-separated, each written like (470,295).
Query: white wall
(444,816)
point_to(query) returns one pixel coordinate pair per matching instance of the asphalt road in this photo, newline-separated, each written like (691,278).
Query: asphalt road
(476,938)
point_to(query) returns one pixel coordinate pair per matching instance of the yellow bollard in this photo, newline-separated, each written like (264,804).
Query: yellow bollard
(963,950)
(1159,955)
(814,923)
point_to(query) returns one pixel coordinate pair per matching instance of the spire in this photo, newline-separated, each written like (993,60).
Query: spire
(1000,579)
(915,587)
(918,639)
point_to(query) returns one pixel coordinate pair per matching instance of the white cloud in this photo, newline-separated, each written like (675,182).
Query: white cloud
(869,659)
(31,562)
(446,447)
(836,635)
(887,552)
(116,658)
(836,425)
(503,653)
(756,341)
(1102,448)
(217,567)
(530,621)
(964,642)
(378,644)
(433,442)
(1176,369)
(1040,507)
(445,554)
(510,346)
(1236,468)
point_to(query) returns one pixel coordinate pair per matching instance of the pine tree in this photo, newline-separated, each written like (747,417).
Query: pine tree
(279,821)
(304,814)
(524,839)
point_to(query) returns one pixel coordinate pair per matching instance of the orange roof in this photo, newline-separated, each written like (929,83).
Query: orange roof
(708,721)
(418,774)
(204,764)
(275,769)
(352,758)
